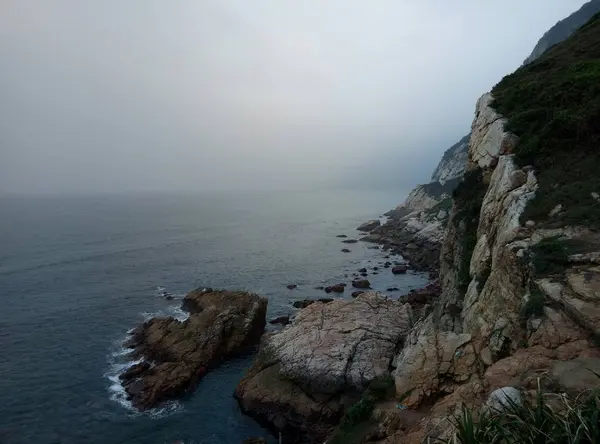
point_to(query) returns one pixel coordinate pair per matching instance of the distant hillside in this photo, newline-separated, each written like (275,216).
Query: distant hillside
(563,29)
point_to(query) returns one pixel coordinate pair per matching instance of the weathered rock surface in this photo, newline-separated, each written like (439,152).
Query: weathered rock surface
(478,337)
(369,226)
(304,373)
(221,324)
(453,163)
(306,302)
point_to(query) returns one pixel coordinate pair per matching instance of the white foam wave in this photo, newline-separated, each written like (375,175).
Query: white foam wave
(117,363)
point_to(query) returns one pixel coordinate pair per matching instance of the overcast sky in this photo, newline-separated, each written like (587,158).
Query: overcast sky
(113,95)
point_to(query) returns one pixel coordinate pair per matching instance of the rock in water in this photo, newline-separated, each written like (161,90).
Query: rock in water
(400,269)
(345,250)
(302,374)
(283,320)
(221,324)
(369,226)
(361,283)
(291,286)
(349,241)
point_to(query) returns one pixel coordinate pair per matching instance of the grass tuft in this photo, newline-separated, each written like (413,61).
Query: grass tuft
(568,421)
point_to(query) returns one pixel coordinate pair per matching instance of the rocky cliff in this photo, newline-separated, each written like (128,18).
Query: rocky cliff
(563,29)
(520,299)
(453,162)
(518,244)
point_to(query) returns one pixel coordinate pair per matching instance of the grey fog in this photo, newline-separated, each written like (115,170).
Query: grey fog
(128,96)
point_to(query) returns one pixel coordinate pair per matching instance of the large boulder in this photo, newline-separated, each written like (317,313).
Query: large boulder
(178,354)
(370,225)
(303,375)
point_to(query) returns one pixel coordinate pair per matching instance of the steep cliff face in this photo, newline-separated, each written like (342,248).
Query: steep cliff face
(563,29)
(453,162)
(520,297)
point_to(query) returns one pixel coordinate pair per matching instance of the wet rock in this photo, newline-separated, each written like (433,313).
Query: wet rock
(221,324)
(283,320)
(349,241)
(393,289)
(320,287)
(357,293)
(370,225)
(375,268)
(291,286)
(306,302)
(400,269)
(345,250)
(361,283)
(362,270)
(134,371)
(364,274)
(337,288)
(341,235)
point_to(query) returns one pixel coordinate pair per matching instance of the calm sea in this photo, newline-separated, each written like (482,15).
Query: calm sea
(77,273)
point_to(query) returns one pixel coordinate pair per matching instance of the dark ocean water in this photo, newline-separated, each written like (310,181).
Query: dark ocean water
(77,273)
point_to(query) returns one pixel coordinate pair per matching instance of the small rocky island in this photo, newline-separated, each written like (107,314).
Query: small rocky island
(174,356)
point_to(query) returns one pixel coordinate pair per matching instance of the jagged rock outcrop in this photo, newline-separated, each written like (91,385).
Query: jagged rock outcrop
(369,226)
(306,373)
(563,29)
(482,334)
(421,219)
(178,354)
(453,163)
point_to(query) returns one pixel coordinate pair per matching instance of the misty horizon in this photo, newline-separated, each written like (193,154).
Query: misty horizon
(208,96)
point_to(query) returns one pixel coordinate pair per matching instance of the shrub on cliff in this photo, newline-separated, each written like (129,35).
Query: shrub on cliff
(567,421)
(553,105)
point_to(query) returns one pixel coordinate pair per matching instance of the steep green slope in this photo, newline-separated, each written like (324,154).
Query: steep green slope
(553,105)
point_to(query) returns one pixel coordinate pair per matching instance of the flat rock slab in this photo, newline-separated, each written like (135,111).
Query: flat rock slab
(297,381)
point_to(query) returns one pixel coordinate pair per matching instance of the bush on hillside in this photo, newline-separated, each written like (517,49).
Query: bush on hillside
(553,105)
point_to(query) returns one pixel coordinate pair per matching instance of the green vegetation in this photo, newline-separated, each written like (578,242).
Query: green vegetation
(357,423)
(468,197)
(566,422)
(553,105)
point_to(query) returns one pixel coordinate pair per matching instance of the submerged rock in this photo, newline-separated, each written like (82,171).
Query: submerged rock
(221,324)
(349,241)
(345,250)
(291,286)
(298,382)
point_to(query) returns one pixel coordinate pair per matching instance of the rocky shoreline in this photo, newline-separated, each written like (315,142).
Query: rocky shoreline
(175,355)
